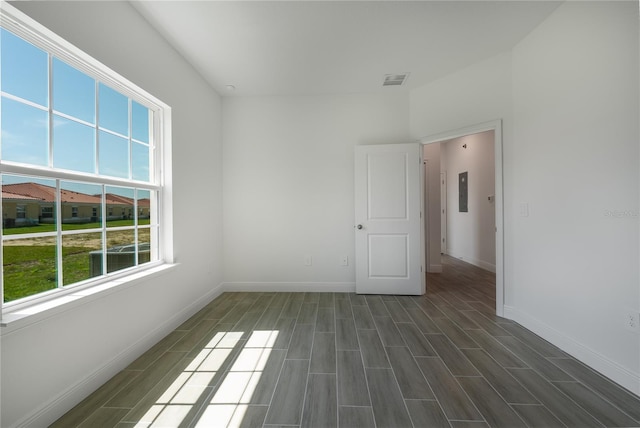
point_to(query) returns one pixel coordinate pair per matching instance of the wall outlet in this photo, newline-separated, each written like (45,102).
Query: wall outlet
(344,261)
(632,321)
(308,260)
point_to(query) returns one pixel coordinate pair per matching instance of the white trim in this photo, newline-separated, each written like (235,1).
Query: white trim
(496,126)
(23,314)
(605,366)
(310,287)
(67,399)
(479,263)
(164,175)
(15,168)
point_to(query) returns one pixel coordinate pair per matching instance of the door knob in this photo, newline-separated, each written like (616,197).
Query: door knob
(359,226)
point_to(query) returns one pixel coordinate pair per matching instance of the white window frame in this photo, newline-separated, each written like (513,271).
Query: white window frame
(25,27)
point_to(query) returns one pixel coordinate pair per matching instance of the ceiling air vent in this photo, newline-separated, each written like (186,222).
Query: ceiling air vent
(394,79)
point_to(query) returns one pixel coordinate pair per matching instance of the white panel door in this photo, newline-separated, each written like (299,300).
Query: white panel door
(388,224)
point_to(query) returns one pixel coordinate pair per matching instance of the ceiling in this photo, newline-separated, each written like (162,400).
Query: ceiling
(337,47)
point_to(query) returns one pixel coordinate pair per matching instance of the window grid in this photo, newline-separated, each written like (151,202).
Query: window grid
(50,108)
(152,186)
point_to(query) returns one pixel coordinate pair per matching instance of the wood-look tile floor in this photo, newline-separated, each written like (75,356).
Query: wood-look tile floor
(347,360)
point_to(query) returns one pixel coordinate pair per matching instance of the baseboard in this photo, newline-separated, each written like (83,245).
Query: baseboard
(605,366)
(479,263)
(67,399)
(311,287)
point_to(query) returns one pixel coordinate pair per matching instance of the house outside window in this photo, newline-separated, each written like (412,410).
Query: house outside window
(73,133)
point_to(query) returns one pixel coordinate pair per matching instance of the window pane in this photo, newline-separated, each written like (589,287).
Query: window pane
(140,153)
(139,122)
(25,133)
(144,245)
(120,250)
(114,110)
(29,267)
(81,206)
(28,205)
(81,257)
(114,155)
(74,93)
(74,145)
(25,69)
(144,207)
(119,206)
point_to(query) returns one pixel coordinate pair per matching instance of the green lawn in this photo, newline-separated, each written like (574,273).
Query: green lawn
(52,227)
(30,269)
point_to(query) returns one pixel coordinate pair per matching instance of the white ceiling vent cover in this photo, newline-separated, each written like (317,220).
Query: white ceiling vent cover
(395,79)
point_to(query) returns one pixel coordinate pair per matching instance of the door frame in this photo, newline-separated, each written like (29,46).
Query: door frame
(496,127)
(443,211)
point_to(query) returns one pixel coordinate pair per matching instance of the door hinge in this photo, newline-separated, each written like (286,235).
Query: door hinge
(420,268)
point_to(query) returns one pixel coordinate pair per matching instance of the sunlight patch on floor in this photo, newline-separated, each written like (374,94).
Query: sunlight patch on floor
(228,405)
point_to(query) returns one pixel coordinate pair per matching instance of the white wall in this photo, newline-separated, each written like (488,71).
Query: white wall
(288,184)
(49,366)
(471,235)
(575,90)
(568,97)
(432,217)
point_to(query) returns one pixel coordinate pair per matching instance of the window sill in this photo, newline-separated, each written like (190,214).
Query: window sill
(25,316)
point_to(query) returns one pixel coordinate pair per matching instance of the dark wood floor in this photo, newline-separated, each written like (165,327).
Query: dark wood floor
(331,359)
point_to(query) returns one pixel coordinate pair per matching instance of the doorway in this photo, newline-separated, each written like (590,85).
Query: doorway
(468,216)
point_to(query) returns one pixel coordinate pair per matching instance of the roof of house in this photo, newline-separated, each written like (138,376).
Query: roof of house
(9,195)
(118,199)
(44,193)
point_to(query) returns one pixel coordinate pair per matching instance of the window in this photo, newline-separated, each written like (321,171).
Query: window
(79,143)
(46,212)
(21,211)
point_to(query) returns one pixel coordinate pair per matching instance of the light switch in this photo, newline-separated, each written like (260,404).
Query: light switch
(524,209)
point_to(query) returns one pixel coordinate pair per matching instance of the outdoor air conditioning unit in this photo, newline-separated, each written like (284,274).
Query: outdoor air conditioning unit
(120,257)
